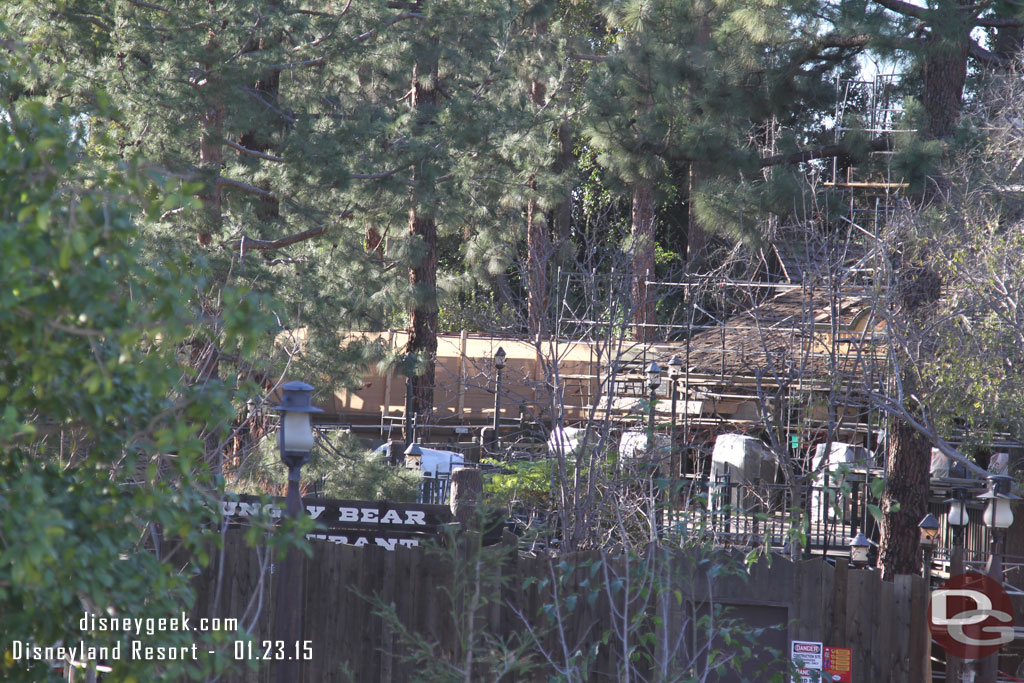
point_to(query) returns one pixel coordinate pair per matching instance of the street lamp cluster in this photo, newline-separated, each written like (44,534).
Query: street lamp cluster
(998,517)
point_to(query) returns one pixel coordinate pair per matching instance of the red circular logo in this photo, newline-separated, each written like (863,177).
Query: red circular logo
(970,616)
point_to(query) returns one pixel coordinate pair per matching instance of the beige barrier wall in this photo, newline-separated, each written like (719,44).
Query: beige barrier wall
(464,380)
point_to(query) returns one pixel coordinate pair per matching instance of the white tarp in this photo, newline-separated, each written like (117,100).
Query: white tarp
(433,461)
(744,457)
(839,454)
(746,460)
(565,441)
(633,444)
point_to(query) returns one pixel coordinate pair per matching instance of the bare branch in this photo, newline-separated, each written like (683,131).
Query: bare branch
(256,95)
(253,152)
(95,21)
(824,152)
(988,57)
(253,243)
(999,22)
(245,187)
(904,8)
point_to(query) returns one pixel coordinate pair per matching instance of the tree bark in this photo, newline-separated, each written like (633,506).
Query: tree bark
(537,250)
(268,86)
(211,152)
(423,273)
(945,71)
(906,482)
(642,232)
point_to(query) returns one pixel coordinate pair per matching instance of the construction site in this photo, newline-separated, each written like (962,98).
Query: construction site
(756,399)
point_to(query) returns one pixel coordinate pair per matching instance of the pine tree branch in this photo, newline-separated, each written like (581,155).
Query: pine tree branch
(843,40)
(824,152)
(319,61)
(315,13)
(384,174)
(148,5)
(589,58)
(904,8)
(245,187)
(264,245)
(999,22)
(95,21)
(986,56)
(256,95)
(390,22)
(253,152)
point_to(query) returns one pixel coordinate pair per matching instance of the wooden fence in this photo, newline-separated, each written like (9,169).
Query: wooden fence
(651,611)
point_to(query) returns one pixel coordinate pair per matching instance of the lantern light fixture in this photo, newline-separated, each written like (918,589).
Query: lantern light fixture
(999,510)
(860,547)
(675,366)
(653,373)
(295,434)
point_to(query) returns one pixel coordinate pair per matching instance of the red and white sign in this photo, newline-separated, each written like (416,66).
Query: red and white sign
(838,665)
(808,657)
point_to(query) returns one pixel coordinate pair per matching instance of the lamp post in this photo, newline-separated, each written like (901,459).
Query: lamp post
(860,547)
(653,373)
(957,519)
(675,369)
(998,517)
(499,365)
(410,424)
(929,527)
(957,516)
(295,441)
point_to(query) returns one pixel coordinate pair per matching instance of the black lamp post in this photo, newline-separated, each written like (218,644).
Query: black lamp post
(929,527)
(499,365)
(998,517)
(410,424)
(675,369)
(295,440)
(653,373)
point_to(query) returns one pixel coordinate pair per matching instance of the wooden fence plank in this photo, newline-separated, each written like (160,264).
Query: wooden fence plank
(882,623)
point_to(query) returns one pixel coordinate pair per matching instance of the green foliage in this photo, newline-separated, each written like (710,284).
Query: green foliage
(340,467)
(520,483)
(103,468)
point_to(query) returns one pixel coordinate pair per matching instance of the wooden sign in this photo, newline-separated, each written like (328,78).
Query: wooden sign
(353,522)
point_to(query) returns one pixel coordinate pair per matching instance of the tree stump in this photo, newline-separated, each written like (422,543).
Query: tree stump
(467,487)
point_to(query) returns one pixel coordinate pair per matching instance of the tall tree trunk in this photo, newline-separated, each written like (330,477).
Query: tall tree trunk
(537,250)
(945,68)
(696,237)
(642,232)
(908,465)
(907,470)
(422,226)
(906,483)
(268,86)
(563,165)
(211,151)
